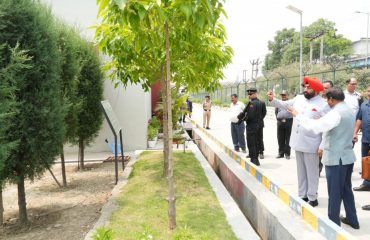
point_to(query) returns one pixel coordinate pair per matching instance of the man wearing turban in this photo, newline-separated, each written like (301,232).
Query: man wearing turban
(305,142)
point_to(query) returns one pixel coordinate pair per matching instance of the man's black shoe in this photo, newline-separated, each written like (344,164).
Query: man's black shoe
(313,203)
(345,221)
(366,207)
(362,188)
(255,161)
(207,128)
(236,150)
(305,199)
(279,156)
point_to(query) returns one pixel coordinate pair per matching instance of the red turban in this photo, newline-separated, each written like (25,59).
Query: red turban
(314,83)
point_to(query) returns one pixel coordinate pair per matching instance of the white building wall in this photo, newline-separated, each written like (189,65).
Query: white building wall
(132,107)
(359,47)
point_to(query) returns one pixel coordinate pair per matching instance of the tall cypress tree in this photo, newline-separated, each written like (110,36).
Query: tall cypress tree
(68,44)
(9,74)
(38,122)
(90,93)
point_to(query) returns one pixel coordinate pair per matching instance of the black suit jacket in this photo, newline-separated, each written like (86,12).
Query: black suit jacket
(256,112)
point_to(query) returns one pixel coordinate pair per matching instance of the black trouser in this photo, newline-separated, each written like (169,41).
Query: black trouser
(284,129)
(252,142)
(261,146)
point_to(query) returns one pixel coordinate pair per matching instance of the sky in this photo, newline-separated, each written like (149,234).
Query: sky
(250,24)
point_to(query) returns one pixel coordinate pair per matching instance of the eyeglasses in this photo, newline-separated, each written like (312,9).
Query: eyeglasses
(353,84)
(251,93)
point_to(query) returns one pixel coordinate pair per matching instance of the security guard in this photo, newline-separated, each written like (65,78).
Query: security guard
(284,128)
(253,114)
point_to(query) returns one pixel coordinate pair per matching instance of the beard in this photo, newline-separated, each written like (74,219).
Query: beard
(308,95)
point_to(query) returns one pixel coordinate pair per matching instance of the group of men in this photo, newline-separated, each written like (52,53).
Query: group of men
(319,128)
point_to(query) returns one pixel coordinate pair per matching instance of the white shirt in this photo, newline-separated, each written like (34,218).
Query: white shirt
(302,139)
(352,100)
(338,145)
(321,125)
(235,110)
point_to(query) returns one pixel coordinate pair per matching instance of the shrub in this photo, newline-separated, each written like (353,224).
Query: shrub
(152,132)
(103,233)
(154,122)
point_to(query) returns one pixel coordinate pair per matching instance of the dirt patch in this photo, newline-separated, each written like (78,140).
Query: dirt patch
(56,213)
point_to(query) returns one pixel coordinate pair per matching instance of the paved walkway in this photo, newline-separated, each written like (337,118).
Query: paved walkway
(284,171)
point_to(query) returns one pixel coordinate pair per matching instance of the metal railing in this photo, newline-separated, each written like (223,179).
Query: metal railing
(289,83)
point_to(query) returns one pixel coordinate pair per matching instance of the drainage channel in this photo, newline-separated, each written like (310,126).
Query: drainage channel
(266,206)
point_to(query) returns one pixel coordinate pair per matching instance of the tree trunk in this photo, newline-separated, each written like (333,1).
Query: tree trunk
(170,181)
(1,206)
(22,201)
(62,160)
(81,153)
(165,124)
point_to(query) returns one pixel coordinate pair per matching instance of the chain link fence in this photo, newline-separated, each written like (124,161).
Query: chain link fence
(279,82)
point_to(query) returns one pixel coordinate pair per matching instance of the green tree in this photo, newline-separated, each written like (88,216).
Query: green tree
(89,95)
(37,123)
(171,41)
(8,106)
(284,49)
(334,44)
(278,46)
(68,44)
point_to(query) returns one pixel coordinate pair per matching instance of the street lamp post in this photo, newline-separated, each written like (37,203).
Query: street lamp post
(367,36)
(245,82)
(296,10)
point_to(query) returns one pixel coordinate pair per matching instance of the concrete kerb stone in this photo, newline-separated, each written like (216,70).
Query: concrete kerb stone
(318,222)
(236,219)
(111,204)
(271,218)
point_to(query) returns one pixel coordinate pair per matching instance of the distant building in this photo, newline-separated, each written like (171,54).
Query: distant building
(358,58)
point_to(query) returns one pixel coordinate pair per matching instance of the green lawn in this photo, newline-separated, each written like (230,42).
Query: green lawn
(142,212)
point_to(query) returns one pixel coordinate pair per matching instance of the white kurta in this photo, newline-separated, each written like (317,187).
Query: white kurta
(352,100)
(306,142)
(301,139)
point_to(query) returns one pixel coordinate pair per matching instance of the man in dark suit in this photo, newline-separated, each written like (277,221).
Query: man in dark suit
(255,112)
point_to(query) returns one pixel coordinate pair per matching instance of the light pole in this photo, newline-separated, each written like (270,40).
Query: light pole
(367,36)
(245,82)
(296,10)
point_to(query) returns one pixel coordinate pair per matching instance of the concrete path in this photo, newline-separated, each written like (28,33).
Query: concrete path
(284,171)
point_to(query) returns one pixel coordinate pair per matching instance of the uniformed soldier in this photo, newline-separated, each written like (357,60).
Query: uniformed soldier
(253,114)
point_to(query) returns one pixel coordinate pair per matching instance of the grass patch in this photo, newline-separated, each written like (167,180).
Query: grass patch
(142,212)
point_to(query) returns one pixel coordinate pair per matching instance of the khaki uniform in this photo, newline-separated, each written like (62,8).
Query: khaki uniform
(206,113)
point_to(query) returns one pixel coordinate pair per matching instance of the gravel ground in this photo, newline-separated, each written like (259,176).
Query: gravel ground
(56,213)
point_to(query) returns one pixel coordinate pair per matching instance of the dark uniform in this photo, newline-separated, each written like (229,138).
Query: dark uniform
(253,114)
